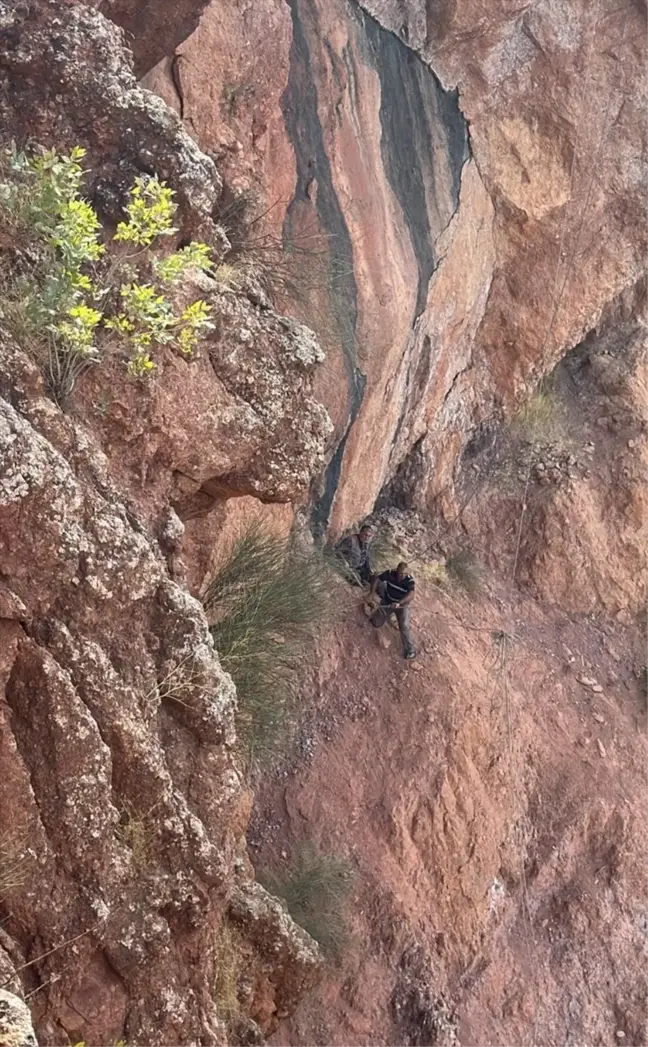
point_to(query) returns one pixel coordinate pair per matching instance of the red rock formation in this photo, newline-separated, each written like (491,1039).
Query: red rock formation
(491,795)
(471,178)
(122,850)
(451,316)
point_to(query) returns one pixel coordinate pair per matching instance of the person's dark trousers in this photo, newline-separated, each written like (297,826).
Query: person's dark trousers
(381,616)
(365,574)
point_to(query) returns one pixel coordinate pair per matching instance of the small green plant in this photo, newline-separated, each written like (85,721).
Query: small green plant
(265,603)
(82,298)
(316,889)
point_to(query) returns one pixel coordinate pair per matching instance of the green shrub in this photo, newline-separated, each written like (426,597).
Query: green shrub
(317,890)
(83,299)
(265,603)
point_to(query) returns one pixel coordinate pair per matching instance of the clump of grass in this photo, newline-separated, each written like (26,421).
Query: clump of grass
(137,832)
(316,889)
(13,862)
(540,420)
(433,571)
(229,965)
(266,603)
(385,552)
(462,568)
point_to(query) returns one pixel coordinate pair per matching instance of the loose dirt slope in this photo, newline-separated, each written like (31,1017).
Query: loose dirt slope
(494,807)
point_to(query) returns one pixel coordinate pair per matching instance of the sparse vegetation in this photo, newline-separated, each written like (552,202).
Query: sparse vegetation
(300,271)
(229,965)
(433,571)
(316,889)
(118,1043)
(462,568)
(234,94)
(13,862)
(137,831)
(540,420)
(80,299)
(265,604)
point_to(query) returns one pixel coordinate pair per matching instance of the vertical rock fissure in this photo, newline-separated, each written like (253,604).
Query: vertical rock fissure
(416,113)
(301,117)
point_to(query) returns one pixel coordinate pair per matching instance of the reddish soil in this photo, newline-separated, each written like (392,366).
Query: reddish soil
(494,808)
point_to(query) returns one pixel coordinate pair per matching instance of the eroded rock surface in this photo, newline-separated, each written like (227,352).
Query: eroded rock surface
(491,794)
(478,175)
(127,809)
(124,808)
(473,179)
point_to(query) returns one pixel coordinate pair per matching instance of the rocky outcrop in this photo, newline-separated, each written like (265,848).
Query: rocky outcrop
(475,224)
(66,75)
(579,543)
(255,426)
(126,806)
(481,218)
(122,843)
(15,1021)
(152,30)
(491,796)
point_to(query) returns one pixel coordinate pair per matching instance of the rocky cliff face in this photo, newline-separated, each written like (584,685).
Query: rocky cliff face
(122,850)
(464,187)
(478,178)
(492,794)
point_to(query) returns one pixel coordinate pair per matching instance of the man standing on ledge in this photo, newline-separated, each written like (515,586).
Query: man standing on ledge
(396,592)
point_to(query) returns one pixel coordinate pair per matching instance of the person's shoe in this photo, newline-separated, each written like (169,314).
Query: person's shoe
(409,655)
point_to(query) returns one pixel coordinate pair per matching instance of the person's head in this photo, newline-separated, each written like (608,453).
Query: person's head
(365,533)
(401,570)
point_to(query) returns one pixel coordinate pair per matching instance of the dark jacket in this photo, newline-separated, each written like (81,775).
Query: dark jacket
(395,589)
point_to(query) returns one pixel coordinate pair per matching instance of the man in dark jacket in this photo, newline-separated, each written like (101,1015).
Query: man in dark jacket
(354,549)
(396,592)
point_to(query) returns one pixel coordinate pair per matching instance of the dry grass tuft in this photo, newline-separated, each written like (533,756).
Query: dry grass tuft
(316,889)
(137,831)
(13,861)
(229,965)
